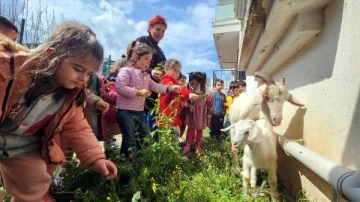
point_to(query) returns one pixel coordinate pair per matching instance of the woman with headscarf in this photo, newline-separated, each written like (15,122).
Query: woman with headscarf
(156,29)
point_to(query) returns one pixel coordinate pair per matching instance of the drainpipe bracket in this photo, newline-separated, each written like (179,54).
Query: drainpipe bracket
(300,142)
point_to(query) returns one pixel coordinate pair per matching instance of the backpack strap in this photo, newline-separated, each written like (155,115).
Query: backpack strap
(8,87)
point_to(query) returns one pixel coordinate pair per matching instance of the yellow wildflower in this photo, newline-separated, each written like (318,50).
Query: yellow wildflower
(154,188)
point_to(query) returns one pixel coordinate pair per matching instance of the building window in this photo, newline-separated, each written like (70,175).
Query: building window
(242,75)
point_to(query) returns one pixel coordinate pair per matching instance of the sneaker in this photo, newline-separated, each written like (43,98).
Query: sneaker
(110,144)
(186,148)
(58,177)
(181,140)
(131,153)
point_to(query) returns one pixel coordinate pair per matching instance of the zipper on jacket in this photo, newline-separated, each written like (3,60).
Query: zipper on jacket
(57,125)
(8,87)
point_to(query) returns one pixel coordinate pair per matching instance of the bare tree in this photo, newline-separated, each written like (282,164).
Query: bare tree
(39,21)
(12,10)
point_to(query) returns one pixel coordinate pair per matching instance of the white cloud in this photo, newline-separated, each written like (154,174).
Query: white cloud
(193,61)
(188,39)
(194,28)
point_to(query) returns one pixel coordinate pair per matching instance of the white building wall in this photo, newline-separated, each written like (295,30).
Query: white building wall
(325,76)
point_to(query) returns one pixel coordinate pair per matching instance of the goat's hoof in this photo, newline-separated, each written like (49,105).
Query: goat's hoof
(253,184)
(275,197)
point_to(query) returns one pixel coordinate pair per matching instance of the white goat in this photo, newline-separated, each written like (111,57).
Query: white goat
(267,102)
(260,151)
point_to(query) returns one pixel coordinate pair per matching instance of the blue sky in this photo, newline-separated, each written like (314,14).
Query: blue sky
(188,38)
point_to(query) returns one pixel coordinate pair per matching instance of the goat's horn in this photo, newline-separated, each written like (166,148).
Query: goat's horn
(265,77)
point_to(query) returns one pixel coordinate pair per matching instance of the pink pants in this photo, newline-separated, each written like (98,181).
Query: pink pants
(192,135)
(26,178)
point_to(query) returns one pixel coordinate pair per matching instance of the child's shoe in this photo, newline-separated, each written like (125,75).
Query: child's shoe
(186,148)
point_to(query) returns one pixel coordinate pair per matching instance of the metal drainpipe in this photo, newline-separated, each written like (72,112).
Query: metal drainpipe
(345,181)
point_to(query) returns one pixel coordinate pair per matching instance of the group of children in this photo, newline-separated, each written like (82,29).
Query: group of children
(133,84)
(222,103)
(44,94)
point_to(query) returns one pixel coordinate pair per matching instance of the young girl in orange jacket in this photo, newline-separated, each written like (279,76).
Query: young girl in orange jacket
(42,97)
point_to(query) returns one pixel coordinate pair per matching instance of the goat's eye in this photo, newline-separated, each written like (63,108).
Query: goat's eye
(246,133)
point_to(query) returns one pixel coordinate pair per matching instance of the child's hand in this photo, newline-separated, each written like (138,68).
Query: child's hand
(105,168)
(102,106)
(184,104)
(143,93)
(193,96)
(175,88)
(156,74)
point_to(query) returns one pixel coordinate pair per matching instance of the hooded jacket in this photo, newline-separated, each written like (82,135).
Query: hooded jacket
(170,104)
(68,126)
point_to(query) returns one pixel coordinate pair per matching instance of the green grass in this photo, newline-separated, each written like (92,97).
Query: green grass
(162,173)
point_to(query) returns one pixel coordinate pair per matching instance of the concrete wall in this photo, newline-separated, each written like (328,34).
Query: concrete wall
(325,76)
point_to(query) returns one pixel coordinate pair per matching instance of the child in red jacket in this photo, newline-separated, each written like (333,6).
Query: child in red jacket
(171,103)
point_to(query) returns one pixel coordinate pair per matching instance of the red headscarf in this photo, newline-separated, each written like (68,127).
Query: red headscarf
(157,19)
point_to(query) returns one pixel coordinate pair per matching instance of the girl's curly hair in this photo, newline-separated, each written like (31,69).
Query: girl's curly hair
(199,77)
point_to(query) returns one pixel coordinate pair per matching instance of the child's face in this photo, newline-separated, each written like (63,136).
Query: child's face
(143,62)
(174,70)
(73,72)
(242,88)
(219,86)
(235,90)
(182,81)
(195,84)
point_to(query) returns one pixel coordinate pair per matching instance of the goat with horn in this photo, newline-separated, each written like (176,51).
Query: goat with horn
(267,103)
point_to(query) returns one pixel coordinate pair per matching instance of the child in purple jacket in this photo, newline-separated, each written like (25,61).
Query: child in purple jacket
(133,84)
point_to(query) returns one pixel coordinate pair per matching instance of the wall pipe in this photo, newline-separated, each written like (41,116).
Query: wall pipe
(345,181)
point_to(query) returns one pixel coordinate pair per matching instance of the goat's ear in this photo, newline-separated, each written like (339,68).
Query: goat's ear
(255,134)
(293,101)
(282,82)
(228,128)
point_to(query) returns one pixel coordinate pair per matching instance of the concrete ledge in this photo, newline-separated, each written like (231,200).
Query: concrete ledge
(290,25)
(280,18)
(232,25)
(253,27)
(227,36)
(304,29)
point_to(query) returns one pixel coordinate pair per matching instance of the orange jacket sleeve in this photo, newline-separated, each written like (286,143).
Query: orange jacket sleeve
(78,134)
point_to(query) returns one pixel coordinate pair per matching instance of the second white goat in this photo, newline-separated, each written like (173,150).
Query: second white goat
(267,102)
(259,152)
